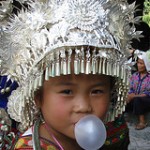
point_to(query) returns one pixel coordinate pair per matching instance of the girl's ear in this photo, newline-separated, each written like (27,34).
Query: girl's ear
(38,97)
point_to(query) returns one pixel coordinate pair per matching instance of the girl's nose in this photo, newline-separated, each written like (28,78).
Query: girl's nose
(82,104)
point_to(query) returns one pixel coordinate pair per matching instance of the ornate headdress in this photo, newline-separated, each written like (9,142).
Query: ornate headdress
(40,41)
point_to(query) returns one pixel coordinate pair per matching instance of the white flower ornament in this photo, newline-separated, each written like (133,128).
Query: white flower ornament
(84,14)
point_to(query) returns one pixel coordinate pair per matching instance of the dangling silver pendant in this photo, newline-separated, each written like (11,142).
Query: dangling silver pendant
(100,66)
(82,66)
(53,70)
(88,67)
(69,61)
(57,68)
(104,66)
(47,74)
(64,67)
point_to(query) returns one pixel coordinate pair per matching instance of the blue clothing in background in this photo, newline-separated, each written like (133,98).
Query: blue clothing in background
(6,87)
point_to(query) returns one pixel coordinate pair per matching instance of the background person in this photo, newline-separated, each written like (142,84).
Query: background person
(139,93)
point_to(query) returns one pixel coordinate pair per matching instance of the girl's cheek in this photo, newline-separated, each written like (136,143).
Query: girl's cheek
(62,107)
(101,109)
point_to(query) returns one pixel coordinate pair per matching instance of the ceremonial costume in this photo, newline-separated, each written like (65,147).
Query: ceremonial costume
(57,38)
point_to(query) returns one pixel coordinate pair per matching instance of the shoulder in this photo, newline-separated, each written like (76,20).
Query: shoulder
(134,75)
(117,134)
(148,75)
(25,141)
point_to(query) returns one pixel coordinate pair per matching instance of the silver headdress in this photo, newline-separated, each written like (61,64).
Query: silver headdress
(40,41)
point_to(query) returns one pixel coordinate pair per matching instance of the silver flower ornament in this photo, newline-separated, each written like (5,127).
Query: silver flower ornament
(84,14)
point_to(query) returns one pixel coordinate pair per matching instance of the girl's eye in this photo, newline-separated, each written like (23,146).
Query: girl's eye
(67,92)
(97,92)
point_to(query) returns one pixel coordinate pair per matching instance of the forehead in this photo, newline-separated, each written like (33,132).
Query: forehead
(86,78)
(140,60)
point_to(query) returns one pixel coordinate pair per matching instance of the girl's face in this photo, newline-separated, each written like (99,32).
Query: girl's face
(141,66)
(67,99)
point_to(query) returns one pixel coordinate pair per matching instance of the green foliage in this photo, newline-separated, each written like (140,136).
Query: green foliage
(146,12)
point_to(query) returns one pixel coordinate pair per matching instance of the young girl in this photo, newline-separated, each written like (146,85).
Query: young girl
(63,101)
(69,58)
